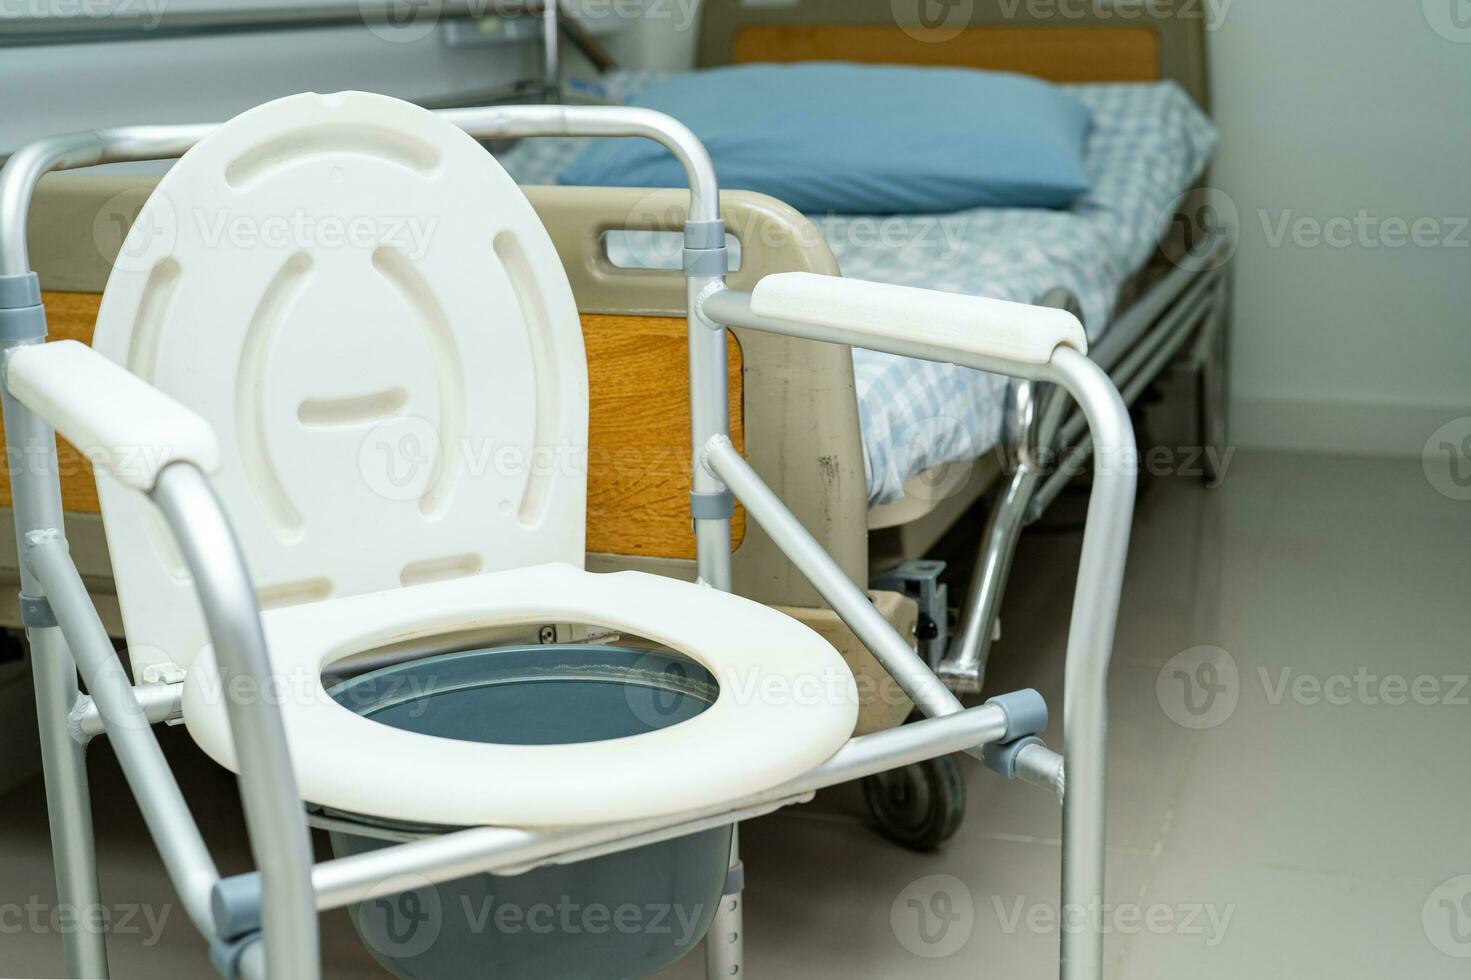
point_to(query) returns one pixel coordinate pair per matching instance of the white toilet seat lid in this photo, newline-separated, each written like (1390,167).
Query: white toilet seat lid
(787,702)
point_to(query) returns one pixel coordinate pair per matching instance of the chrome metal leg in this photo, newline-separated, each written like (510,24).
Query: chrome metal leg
(964,666)
(68,803)
(725,941)
(1033,417)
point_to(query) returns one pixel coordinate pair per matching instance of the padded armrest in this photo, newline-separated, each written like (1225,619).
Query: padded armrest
(118,421)
(987,327)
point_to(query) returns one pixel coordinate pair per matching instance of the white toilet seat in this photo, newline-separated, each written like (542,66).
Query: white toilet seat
(787,701)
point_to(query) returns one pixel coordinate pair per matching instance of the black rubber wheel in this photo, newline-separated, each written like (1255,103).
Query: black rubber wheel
(918,807)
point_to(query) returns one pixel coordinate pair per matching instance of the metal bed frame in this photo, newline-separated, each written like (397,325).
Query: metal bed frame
(1045,442)
(281,940)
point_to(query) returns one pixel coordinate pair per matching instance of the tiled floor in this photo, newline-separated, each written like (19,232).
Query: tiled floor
(1289,819)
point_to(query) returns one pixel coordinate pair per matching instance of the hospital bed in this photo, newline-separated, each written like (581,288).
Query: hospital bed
(1142,259)
(826,426)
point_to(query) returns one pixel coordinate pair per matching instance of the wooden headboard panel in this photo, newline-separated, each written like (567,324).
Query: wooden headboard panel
(1059,40)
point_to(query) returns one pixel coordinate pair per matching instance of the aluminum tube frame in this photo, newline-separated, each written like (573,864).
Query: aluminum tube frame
(853,607)
(508,850)
(725,940)
(68,800)
(1095,601)
(1144,365)
(709,418)
(27,165)
(1089,649)
(159,703)
(346,880)
(36,504)
(1040,766)
(279,839)
(129,729)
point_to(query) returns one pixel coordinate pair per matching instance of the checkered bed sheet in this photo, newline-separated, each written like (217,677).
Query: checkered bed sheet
(1148,144)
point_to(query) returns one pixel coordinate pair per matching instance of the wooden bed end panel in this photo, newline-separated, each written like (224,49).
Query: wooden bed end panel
(1056,41)
(638,478)
(638,430)
(1058,54)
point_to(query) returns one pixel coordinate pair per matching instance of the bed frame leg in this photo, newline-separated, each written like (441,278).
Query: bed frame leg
(725,941)
(964,667)
(1212,382)
(1032,416)
(68,803)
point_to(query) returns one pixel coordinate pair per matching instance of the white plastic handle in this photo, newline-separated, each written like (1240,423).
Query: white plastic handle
(119,422)
(988,327)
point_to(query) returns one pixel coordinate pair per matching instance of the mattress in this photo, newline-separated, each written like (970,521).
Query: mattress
(1148,145)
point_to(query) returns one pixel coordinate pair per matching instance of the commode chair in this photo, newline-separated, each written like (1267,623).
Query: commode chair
(337,407)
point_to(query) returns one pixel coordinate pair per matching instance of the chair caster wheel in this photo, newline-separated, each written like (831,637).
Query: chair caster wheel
(918,807)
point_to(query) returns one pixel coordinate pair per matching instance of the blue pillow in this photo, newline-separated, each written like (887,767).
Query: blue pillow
(863,139)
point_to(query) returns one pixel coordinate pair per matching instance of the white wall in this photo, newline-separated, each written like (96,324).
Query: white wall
(1330,108)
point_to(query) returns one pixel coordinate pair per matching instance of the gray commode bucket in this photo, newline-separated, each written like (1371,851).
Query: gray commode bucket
(621,915)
